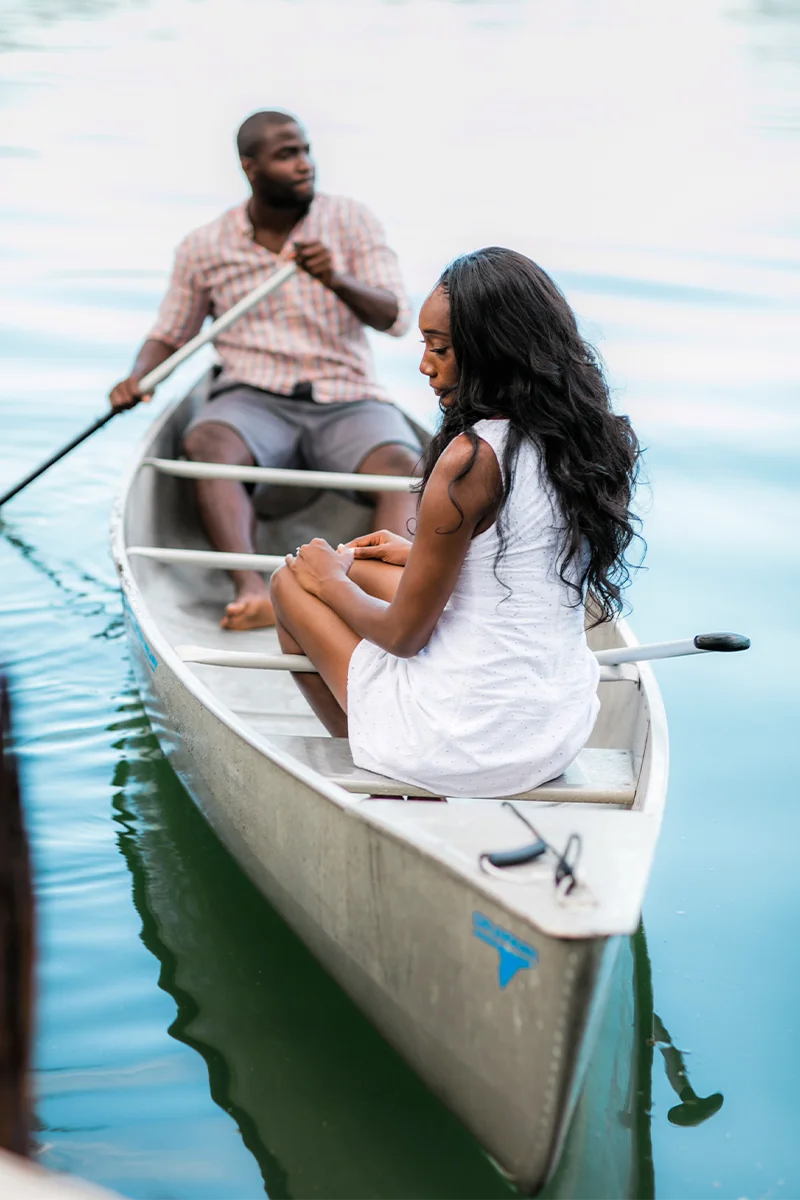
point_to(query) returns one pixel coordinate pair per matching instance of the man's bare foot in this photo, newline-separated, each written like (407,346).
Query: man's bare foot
(250,610)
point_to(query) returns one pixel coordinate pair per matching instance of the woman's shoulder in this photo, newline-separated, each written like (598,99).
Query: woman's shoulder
(468,473)
(494,431)
(462,452)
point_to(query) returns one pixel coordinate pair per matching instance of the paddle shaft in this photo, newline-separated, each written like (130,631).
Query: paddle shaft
(702,643)
(607,659)
(151,380)
(45,466)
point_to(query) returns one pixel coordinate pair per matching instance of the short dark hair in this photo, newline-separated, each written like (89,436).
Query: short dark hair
(250,137)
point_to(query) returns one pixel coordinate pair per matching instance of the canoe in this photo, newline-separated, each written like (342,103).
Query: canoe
(490,980)
(322,1103)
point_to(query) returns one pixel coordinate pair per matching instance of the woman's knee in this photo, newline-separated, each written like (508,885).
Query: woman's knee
(280,586)
(284,590)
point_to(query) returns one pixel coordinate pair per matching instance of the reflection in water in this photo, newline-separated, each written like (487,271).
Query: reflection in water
(693,1109)
(81,596)
(321,1101)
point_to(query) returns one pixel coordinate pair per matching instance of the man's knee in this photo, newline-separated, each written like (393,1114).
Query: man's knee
(393,459)
(210,442)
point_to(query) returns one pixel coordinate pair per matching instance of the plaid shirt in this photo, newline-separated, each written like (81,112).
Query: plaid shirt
(302,333)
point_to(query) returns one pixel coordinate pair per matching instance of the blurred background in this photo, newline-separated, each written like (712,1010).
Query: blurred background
(646,155)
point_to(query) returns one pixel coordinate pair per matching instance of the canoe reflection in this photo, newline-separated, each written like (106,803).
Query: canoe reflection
(322,1102)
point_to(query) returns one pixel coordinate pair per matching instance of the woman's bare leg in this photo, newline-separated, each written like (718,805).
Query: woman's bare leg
(307,626)
(320,698)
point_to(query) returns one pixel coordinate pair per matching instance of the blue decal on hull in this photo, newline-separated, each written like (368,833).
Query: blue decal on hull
(152,661)
(514,954)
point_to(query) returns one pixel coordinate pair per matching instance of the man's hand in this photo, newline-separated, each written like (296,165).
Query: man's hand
(126,394)
(373,306)
(315,258)
(384,546)
(152,354)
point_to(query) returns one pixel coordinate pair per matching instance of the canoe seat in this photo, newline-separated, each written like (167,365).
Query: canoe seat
(596,777)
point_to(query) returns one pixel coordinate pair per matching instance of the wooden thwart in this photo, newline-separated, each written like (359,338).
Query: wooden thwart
(209,656)
(224,561)
(333,480)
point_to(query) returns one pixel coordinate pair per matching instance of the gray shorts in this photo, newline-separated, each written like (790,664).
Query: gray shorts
(281,431)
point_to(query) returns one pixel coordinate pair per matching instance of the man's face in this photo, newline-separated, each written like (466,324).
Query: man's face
(282,173)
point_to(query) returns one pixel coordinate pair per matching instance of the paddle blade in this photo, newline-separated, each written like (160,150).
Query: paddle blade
(695,1110)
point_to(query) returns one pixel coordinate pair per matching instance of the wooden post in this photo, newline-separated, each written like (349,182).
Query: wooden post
(16,950)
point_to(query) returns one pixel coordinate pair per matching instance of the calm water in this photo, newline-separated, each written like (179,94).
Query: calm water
(645,154)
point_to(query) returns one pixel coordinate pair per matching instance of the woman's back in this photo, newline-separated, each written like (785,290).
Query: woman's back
(525,585)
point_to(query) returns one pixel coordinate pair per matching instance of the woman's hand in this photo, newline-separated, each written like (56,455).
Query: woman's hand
(317,564)
(383,546)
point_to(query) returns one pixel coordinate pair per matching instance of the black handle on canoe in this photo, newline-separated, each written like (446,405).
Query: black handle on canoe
(727,643)
(515,858)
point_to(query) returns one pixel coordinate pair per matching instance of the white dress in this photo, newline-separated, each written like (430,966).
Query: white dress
(504,695)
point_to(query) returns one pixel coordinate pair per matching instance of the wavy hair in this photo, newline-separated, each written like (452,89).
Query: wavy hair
(521,356)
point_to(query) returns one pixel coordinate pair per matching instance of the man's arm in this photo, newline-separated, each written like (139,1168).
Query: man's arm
(375,306)
(181,315)
(372,286)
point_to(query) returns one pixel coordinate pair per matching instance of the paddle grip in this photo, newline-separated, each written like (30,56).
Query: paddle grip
(515,858)
(725,642)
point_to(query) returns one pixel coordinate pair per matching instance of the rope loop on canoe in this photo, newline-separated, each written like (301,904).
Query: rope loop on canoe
(564,877)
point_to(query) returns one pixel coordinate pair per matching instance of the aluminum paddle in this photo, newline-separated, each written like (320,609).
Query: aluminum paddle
(151,380)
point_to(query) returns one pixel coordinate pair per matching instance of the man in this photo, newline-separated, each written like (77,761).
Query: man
(297,387)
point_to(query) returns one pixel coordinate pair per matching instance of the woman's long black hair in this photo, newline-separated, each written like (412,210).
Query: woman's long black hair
(520,355)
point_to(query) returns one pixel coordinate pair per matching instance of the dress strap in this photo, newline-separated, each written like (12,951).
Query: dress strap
(495,433)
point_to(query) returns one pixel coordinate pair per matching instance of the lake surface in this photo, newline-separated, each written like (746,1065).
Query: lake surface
(647,155)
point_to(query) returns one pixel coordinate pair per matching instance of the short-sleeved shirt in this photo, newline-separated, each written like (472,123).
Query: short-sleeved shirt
(303,333)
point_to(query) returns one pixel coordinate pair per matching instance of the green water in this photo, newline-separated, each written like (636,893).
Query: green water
(188,1046)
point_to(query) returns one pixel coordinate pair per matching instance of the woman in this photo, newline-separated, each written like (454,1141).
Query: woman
(459,662)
